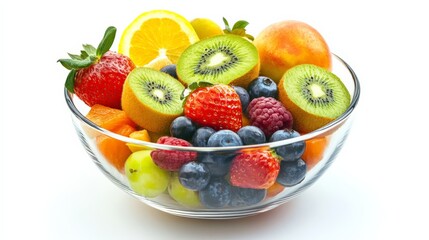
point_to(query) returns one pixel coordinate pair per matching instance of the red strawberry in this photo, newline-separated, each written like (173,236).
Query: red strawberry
(216,106)
(97,75)
(172,160)
(257,169)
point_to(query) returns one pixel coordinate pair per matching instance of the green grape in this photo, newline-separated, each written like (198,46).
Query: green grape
(145,178)
(181,194)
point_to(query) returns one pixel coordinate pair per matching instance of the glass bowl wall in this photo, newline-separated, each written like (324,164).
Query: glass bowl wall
(335,133)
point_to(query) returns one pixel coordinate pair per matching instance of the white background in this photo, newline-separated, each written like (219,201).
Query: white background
(376,188)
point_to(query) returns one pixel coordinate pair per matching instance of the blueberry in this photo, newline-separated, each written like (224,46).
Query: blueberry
(251,135)
(224,138)
(217,194)
(242,197)
(217,163)
(194,176)
(183,127)
(289,152)
(244,96)
(291,173)
(170,70)
(262,87)
(201,136)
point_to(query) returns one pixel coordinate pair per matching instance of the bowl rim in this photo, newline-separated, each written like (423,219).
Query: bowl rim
(303,137)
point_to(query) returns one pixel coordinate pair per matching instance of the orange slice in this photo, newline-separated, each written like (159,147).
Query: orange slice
(158,63)
(155,34)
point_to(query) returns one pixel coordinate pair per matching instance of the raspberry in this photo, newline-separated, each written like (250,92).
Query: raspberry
(269,115)
(172,160)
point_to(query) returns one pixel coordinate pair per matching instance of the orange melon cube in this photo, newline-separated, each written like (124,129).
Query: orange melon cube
(115,151)
(108,118)
(314,151)
(275,189)
(139,135)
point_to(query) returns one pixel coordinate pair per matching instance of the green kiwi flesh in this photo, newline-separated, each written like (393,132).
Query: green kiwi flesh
(152,99)
(315,90)
(158,90)
(219,59)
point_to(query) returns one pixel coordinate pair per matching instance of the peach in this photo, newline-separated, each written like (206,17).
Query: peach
(285,44)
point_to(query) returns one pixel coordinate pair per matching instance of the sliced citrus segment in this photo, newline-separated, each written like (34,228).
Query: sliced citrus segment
(157,33)
(206,28)
(158,63)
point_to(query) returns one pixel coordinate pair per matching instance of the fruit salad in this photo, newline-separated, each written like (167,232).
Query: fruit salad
(188,83)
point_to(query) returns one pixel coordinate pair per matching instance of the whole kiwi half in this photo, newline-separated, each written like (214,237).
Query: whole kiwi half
(313,95)
(227,59)
(152,99)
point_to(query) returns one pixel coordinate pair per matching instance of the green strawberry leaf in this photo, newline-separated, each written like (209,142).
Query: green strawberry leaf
(227,28)
(185,94)
(70,81)
(71,64)
(191,87)
(106,42)
(205,84)
(89,50)
(249,36)
(83,54)
(199,84)
(74,56)
(239,31)
(241,24)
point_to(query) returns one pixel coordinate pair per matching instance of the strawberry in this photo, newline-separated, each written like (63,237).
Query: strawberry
(216,106)
(97,75)
(257,169)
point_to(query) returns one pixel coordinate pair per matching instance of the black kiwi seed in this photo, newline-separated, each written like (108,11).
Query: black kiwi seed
(202,68)
(151,86)
(328,97)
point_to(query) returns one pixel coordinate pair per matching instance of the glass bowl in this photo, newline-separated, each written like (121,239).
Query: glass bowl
(322,147)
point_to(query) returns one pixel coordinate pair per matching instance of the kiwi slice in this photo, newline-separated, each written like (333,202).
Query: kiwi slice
(152,99)
(226,59)
(314,96)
